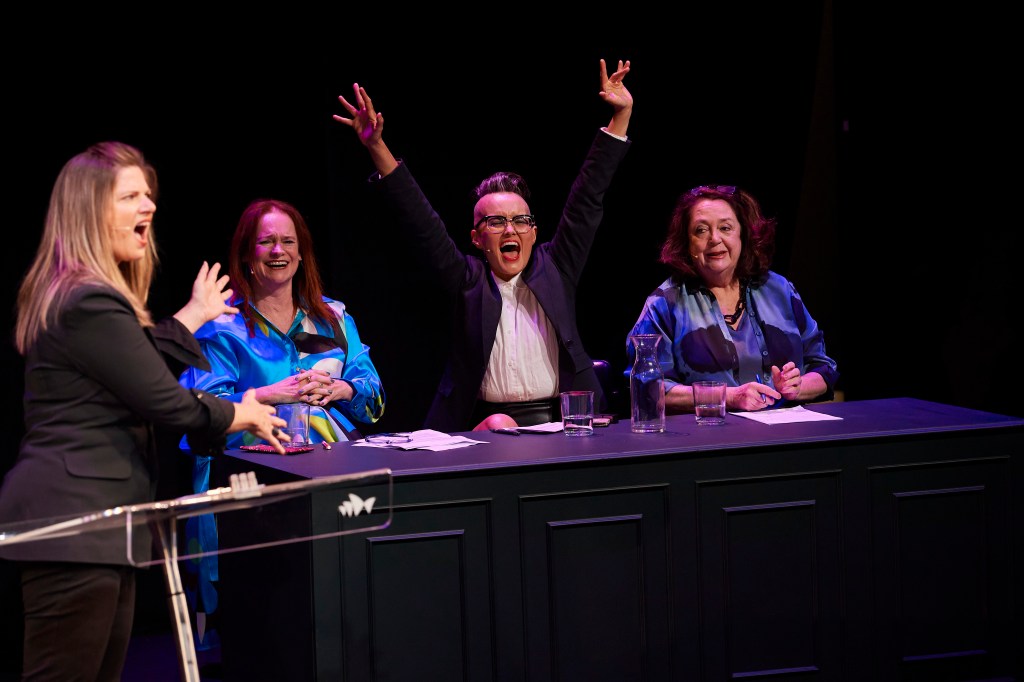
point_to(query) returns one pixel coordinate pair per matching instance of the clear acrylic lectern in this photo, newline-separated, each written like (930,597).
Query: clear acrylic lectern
(262,516)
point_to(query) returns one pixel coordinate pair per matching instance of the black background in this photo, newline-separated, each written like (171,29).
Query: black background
(868,157)
(866,145)
(881,144)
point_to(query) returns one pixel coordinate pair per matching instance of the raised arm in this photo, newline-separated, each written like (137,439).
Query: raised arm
(368,125)
(615,93)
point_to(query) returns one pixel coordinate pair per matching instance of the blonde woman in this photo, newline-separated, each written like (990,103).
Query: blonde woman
(96,383)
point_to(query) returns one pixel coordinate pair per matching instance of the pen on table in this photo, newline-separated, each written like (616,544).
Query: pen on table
(506,431)
(757,377)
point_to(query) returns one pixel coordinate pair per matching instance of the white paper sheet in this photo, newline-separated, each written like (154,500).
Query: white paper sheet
(786,415)
(425,439)
(546,427)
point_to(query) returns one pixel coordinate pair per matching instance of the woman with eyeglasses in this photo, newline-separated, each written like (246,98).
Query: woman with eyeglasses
(515,345)
(723,315)
(289,343)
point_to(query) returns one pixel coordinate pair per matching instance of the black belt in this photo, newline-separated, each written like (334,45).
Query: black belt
(526,412)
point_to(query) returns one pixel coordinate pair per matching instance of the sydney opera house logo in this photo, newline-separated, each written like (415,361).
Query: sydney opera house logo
(356,504)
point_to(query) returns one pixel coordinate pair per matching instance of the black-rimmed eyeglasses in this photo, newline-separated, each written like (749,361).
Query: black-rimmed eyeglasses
(705,189)
(499,223)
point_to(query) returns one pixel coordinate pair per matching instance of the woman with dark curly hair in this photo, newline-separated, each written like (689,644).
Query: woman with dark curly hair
(724,316)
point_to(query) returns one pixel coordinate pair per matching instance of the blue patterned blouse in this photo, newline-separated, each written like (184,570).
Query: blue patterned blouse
(240,362)
(697,344)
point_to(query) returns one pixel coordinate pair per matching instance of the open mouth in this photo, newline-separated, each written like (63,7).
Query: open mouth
(510,248)
(277,264)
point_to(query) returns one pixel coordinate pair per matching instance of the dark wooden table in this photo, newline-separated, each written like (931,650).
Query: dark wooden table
(885,546)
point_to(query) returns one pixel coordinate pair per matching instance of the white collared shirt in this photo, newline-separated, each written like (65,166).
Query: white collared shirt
(524,359)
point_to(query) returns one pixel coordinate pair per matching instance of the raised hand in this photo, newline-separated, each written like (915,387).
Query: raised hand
(369,127)
(209,298)
(368,124)
(615,93)
(613,90)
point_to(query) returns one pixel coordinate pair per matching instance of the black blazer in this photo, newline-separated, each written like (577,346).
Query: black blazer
(552,275)
(95,384)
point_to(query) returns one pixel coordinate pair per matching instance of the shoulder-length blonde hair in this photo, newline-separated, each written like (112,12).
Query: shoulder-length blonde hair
(76,247)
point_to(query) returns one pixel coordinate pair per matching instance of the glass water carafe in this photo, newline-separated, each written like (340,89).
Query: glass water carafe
(646,386)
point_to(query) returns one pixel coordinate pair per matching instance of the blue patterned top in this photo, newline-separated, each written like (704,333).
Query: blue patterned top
(698,345)
(240,362)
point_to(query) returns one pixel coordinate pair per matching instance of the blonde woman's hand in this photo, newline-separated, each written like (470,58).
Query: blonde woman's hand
(258,419)
(209,298)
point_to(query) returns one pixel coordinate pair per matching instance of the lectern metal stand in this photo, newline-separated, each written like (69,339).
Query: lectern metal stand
(362,501)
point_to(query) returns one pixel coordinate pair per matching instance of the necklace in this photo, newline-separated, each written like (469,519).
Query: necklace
(731,320)
(734,318)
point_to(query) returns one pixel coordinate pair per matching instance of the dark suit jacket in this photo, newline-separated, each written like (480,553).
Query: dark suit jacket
(95,384)
(552,275)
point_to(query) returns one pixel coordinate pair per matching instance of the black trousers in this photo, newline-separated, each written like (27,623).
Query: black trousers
(78,620)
